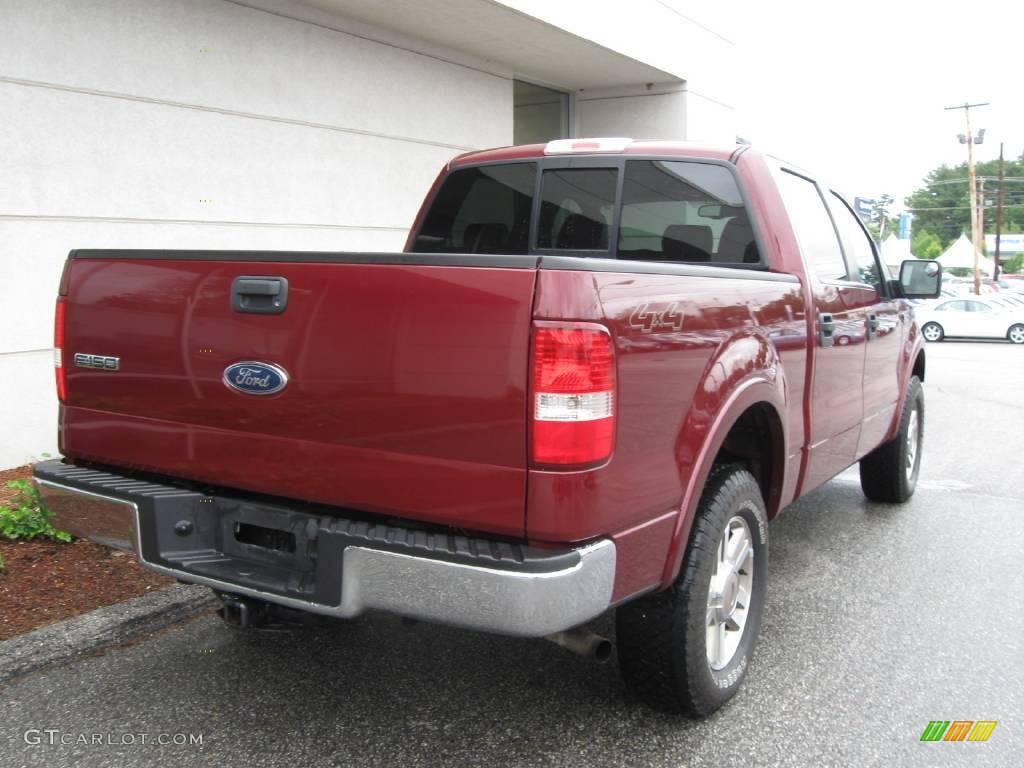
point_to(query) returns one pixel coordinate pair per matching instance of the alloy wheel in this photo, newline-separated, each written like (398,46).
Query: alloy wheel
(729,594)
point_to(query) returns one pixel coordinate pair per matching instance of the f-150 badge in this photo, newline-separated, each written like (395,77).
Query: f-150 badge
(253,378)
(102,362)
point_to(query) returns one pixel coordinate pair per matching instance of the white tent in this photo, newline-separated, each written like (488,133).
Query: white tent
(961,254)
(894,253)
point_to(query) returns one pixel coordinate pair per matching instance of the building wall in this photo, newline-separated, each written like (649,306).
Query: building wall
(658,112)
(204,124)
(679,37)
(216,124)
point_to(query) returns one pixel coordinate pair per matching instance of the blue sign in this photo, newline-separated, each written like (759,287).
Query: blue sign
(863,208)
(252,378)
(905,226)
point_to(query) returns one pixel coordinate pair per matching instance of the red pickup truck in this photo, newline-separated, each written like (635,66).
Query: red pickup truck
(596,372)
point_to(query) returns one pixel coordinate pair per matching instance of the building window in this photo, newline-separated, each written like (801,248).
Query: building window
(538,114)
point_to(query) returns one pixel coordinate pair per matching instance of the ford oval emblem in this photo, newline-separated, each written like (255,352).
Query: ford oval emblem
(254,378)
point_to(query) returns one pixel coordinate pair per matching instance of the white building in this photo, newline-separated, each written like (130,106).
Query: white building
(280,124)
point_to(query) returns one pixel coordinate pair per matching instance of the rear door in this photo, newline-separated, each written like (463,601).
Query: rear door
(841,308)
(982,320)
(952,316)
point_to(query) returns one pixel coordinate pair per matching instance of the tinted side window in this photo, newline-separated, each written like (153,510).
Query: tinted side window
(576,208)
(813,226)
(952,306)
(977,306)
(860,252)
(684,211)
(481,210)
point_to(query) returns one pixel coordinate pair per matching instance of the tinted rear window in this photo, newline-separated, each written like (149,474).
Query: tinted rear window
(576,208)
(671,211)
(684,212)
(481,210)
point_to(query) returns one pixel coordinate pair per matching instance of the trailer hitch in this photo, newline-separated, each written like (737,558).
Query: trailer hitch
(249,613)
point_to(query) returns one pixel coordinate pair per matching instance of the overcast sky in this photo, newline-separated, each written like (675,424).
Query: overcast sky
(856,90)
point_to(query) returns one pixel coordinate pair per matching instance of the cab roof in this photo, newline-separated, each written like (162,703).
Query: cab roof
(599,146)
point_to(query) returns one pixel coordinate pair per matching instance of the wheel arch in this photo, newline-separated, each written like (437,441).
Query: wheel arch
(748,429)
(919,365)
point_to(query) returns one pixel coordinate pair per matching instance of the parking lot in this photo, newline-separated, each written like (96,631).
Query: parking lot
(880,619)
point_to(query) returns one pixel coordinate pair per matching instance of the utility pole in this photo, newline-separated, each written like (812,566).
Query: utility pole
(999,212)
(980,213)
(970,140)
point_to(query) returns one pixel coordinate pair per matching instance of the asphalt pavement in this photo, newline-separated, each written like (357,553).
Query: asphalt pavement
(880,619)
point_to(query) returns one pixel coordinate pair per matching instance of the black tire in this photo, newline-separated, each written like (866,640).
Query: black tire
(1016,334)
(662,637)
(932,332)
(884,473)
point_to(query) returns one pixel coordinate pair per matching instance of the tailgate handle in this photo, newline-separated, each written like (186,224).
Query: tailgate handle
(259,295)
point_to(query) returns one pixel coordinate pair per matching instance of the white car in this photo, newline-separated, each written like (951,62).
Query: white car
(971,317)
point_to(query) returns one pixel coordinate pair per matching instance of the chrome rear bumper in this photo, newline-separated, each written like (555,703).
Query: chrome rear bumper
(336,566)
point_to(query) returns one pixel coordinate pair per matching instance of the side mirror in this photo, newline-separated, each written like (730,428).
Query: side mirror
(920,279)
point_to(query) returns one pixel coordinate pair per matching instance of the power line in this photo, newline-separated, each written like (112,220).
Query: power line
(979,178)
(957,208)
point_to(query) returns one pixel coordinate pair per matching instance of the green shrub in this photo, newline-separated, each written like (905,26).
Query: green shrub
(26,517)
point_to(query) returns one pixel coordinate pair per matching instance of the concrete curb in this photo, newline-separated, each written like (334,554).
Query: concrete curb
(100,628)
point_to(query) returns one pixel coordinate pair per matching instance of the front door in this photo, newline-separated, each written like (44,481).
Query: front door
(885,329)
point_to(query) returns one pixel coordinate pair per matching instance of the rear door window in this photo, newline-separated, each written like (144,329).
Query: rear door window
(813,225)
(681,211)
(485,209)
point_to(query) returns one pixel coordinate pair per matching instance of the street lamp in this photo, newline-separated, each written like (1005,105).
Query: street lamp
(970,140)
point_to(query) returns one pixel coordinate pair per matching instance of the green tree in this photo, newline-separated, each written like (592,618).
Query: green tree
(925,245)
(942,206)
(879,214)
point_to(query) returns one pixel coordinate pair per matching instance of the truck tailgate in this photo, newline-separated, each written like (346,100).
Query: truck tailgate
(406,380)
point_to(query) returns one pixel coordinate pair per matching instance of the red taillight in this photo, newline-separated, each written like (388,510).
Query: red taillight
(58,349)
(573,395)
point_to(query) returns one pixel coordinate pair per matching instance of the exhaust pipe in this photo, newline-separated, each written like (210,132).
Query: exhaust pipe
(583,643)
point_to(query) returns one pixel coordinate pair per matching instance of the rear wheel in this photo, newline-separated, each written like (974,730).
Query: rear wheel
(889,473)
(686,649)
(932,332)
(1016,334)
